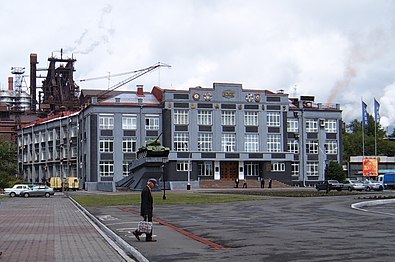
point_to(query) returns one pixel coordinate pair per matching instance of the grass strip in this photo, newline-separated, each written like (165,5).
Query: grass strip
(171,199)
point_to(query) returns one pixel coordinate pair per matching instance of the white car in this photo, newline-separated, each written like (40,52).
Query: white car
(372,185)
(16,189)
(351,185)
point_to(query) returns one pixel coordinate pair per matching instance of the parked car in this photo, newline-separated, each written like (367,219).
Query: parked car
(38,191)
(16,189)
(372,185)
(351,185)
(329,185)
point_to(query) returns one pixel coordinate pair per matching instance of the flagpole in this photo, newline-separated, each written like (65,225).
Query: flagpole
(363,126)
(375,137)
(376,121)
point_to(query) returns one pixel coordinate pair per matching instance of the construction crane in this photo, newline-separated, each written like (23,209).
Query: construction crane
(136,74)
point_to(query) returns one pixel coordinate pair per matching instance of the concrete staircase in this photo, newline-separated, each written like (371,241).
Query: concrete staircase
(231,184)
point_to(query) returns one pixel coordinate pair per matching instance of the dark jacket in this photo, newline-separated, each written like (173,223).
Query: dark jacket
(146,203)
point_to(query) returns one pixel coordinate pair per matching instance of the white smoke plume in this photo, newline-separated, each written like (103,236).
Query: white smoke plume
(90,39)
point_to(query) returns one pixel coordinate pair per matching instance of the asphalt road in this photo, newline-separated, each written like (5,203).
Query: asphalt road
(274,229)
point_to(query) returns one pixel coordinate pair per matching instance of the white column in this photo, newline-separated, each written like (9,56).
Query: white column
(217,175)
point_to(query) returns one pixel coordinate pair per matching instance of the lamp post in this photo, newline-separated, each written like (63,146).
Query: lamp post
(164,183)
(189,171)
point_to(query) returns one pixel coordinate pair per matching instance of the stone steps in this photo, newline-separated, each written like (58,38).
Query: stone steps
(231,184)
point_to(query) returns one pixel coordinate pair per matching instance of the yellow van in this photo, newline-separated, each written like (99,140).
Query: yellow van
(72,183)
(55,183)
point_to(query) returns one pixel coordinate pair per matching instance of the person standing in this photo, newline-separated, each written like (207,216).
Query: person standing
(262,182)
(244,183)
(147,207)
(237,182)
(270,183)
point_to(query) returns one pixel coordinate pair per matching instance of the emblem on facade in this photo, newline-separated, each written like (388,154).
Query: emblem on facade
(249,97)
(228,94)
(207,96)
(257,97)
(196,96)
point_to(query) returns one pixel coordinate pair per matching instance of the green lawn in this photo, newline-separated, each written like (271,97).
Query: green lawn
(171,199)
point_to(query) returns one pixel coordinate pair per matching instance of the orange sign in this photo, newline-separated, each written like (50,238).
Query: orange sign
(370,167)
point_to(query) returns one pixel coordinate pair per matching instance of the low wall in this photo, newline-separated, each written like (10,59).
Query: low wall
(176,185)
(106,186)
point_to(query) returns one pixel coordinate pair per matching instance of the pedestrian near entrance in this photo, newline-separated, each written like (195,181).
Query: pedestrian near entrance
(244,183)
(237,182)
(262,182)
(270,183)
(147,207)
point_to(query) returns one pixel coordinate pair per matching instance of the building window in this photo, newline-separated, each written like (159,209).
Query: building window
(228,118)
(312,169)
(273,118)
(152,122)
(181,141)
(50,151)
(182,165)
(228,142)
(74,151)
(274,143)
(331,126)
(251,143)
(311,126)
(125,168)
(251,169)
(205,117)
(43,154)
(331,147)
(205,168)
(106,145)
(250,118)
(278,167)
(293,146)
(129,122)
(292,125)
(106,121)
(181,117)
(106,168)
(205,142)
(295,169)
(312,147)
(129,145)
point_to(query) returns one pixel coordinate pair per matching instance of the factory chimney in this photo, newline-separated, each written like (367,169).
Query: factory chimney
(33,77)
(10,83)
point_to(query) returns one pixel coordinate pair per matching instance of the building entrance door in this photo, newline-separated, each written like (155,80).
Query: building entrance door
(229,170)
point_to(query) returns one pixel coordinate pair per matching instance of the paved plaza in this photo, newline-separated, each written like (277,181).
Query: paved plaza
(50,229)
(273,229)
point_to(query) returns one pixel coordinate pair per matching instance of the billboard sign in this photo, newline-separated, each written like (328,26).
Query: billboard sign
(370,167)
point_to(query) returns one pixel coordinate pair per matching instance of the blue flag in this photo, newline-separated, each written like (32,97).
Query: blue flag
(365,116)
(376,111)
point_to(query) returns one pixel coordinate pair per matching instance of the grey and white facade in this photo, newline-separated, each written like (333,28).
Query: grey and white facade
(228,132)
(217,133)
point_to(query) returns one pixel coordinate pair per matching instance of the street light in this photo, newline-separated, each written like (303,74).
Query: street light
(164,182)
(189,171)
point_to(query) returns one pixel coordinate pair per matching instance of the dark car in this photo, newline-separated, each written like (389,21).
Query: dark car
(38,191)
(329,185)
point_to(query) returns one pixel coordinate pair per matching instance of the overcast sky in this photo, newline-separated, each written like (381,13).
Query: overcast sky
(338,51)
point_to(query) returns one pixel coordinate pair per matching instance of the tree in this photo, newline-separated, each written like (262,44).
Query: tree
(335,171)
(8,162)
(354,137)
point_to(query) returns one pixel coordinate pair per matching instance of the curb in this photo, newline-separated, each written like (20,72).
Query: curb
(105,231)
(360,206)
